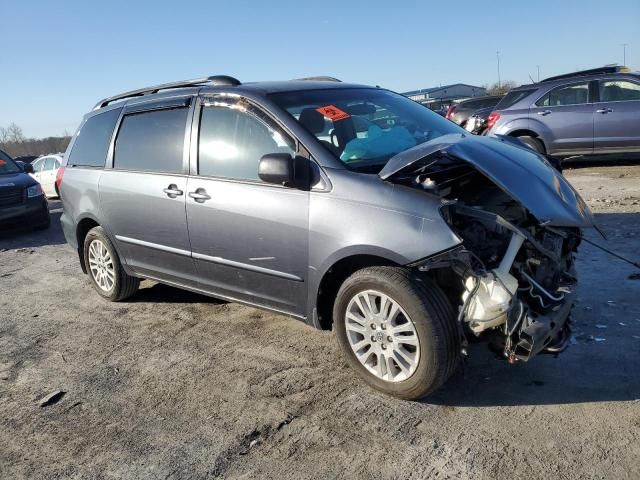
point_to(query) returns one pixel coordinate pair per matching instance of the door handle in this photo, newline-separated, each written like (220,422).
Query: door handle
(544,112)
(172,191)
(604,110)
(200,195)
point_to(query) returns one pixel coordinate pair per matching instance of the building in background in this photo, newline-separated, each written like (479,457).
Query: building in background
(437,98)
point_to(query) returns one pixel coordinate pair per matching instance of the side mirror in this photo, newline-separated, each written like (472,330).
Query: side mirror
(26,167)
(277,168)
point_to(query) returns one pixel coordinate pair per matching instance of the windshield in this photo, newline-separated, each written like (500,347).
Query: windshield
(7,165)
(364,127)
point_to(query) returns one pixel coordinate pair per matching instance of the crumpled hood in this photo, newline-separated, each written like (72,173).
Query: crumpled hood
(520,172)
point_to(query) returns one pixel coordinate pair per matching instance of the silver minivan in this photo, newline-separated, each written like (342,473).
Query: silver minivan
(348,207)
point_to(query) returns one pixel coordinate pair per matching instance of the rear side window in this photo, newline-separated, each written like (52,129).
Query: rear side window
(575,94)
(618,90)
(151,141)
(232,141)
(512,98)
(92,142)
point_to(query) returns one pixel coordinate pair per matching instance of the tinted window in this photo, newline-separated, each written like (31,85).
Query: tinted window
(92,142)
(619,91)
(512,98)
(232,141)
(568,95)
(151,141)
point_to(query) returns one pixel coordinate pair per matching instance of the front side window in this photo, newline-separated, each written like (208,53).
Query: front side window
(93,139)
(364,127)
(575,94)
(618,90)
(151,141)
(49,164)
(233,139)
(38,165)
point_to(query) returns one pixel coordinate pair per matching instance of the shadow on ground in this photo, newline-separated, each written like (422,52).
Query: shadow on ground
(27,237)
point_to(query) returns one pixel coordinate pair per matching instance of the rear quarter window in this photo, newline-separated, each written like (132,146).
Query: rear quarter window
(513,97)
(93,139)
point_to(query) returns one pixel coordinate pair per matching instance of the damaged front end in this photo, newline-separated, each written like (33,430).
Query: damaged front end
(513,276)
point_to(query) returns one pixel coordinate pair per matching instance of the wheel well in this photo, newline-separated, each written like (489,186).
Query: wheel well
(83,228)
(527,133)
(333,279)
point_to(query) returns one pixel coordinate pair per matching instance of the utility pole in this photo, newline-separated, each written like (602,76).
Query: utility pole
(624,54)
(498,57)
(538,73)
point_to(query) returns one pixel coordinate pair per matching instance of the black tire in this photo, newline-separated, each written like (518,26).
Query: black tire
(532,143)
(432,315)
(124,285)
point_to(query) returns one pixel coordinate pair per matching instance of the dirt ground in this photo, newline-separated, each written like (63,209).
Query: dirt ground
(176,385)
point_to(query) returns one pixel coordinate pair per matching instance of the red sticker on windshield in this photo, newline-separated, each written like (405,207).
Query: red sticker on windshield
(333,113)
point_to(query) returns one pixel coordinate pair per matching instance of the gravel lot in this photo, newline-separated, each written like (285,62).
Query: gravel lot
(177,385)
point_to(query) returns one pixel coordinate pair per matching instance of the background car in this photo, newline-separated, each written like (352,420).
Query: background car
(460,112)
(22,201)
(582,113)
(477,123)
(26,158)
(45,170)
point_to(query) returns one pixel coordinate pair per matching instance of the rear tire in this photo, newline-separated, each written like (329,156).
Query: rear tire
(105,270)
(423,309)
(533,143)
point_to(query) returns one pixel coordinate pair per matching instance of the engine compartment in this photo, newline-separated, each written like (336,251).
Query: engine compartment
(514,276)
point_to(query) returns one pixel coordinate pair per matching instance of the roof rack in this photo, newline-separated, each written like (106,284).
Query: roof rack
(221,80)
(593,71)
(320,78)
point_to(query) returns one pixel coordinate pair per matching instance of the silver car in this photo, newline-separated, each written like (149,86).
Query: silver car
(590,112)
(347,207)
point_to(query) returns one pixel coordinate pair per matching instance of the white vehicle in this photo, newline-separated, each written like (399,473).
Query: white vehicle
(45,170)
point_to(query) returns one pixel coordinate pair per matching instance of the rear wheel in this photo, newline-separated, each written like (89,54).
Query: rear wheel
(105,270)
(533,143)
(397,331)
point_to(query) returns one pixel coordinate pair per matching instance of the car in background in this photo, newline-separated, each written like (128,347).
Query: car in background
(26,158)
(460,112)
(593,111)
(45,171)
(477,123)
(22,201)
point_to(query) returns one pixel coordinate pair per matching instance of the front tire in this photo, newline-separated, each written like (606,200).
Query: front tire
(397,330)
(105,270)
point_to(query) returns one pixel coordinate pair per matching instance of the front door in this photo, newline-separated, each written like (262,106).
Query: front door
(617,117)
(143,196)
(249,239)
(566,113)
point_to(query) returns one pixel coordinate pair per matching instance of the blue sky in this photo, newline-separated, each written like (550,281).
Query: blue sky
(60,57)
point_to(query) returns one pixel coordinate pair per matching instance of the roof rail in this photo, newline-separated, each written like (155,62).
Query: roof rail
(222,80)
(592,71)
(321,78)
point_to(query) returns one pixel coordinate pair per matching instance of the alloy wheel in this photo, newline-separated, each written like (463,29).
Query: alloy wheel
(101,265)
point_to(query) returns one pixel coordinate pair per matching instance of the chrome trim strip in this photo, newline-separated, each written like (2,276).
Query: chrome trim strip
(245,266)
(155,246)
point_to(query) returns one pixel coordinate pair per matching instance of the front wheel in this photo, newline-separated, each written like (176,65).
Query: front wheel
(533,143)
(397,330)
(105,270)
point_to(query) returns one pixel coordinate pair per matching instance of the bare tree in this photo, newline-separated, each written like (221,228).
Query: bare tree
(500,89)
(13,141)
(15,133)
